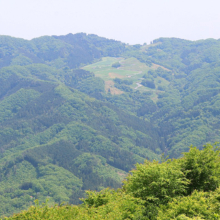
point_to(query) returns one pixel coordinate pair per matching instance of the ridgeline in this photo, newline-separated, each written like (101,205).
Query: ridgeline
(77,112)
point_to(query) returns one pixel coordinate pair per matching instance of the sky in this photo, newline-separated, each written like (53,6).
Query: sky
(129,21)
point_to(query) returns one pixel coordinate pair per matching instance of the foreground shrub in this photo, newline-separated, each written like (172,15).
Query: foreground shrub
(181,189)
(107,204)
(199,205)
(155,182)
(44,212)
(111,204)
(202,168)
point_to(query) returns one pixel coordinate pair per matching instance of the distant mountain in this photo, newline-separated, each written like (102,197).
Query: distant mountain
(58,51)
(55,140)
(71,120)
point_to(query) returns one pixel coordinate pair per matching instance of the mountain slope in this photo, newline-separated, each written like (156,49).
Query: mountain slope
(64,131)
(57,141)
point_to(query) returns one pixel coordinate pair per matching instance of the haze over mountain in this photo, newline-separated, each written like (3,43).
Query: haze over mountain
(133,22)
(78,111)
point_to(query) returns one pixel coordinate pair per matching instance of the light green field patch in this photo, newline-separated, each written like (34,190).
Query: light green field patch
(106,61)
(104,69)
(133,64)
(130,68)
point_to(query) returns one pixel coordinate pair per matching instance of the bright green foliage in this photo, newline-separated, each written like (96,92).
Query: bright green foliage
(204,205)
(115,203)
(44,212)
(103,197)
(202,168)
(184,217)
(11,104)
(196,170)
(161,183)
(107,204)
(24,183)
(155,182)
(153,191)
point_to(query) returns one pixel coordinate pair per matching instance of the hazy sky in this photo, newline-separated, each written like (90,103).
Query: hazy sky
(130,21)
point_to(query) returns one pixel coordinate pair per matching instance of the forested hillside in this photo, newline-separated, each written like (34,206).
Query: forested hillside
(77,112)
(180,189)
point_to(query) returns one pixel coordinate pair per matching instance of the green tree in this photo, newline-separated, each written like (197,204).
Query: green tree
(202,168)
(199,205)
(116,65)
(156,182)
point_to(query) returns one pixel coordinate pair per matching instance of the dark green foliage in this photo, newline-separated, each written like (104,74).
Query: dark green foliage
(147,108)
(98,45)
(123,87)
(59,51)
(123,81)
(202,168)
(148,83)
(152,73)
(161,88)
(162,73)
(92,86)
(72,78)
(116,65)
(123,84)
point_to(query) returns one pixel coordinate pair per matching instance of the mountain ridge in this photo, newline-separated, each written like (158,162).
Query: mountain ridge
(58,117)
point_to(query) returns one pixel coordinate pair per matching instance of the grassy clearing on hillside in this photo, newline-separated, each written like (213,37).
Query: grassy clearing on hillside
(130,68)
(105,70)
(134,65)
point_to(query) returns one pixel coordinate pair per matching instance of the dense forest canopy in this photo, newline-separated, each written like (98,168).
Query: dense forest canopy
(77,112)
(178,189)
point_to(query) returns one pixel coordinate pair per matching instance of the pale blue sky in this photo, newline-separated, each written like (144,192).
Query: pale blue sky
(130,21)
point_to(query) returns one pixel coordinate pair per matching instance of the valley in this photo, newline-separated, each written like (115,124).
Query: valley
(77,112)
